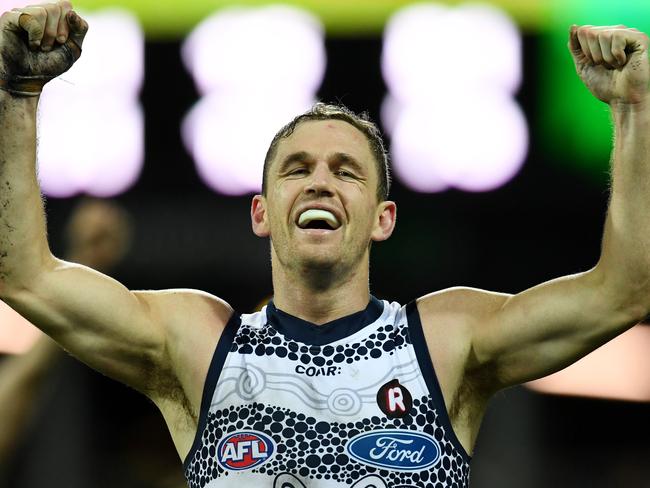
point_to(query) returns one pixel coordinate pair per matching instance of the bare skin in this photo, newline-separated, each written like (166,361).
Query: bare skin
(161,342)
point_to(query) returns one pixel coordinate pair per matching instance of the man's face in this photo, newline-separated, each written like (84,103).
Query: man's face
(321,207)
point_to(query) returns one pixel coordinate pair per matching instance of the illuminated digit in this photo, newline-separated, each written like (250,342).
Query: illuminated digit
(255,69)
(452,74)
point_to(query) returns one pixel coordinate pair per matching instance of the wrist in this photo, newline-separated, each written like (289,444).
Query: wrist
(18,102)
(626,107)
(23,86)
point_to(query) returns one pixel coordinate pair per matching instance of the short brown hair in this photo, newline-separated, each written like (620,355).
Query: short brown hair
(324,111)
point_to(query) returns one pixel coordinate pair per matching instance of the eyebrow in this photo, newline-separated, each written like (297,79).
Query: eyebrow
(344,158)
(296,157)
(305,157)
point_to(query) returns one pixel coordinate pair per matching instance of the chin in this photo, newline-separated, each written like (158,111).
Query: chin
(320,261)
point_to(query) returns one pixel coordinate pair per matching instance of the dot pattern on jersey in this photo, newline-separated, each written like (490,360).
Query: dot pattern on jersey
(315,449)
(267,341)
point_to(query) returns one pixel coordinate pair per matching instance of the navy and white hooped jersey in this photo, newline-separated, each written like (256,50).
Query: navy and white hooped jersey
(352,403)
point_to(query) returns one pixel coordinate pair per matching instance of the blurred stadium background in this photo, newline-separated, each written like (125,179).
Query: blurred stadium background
(500,173)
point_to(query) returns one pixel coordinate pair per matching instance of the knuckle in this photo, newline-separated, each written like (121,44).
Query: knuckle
(39,14)
(53,9)
(47,9)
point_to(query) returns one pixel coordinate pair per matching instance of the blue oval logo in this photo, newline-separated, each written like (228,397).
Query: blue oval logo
(397,450)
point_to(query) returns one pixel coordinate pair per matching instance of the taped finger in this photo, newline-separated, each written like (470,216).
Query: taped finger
(51,25)
(63,30)
(34,27)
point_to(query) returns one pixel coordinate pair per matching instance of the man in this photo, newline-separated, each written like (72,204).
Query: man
(327,386)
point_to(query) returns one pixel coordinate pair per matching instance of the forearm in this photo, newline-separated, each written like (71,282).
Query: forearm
(23,242)
(626,245)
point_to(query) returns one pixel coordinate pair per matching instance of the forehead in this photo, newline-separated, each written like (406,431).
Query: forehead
(321,138)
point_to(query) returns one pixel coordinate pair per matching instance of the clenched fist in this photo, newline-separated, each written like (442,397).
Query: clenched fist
(37,44)
(612,62)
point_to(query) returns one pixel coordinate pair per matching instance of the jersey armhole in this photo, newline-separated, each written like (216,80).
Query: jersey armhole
(216,365)
(429,373)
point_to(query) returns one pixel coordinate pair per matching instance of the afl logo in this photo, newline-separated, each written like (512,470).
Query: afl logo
(245,450)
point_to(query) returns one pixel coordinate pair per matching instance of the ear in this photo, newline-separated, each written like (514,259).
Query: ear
(258,217)
(385,221)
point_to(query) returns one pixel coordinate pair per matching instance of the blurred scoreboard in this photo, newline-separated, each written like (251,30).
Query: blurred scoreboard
(340,17)
(435,101)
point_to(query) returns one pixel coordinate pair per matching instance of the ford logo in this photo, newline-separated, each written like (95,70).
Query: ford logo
(397,450)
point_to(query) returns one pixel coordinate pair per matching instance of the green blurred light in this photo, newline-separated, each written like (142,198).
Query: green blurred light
(171,19)
(576,127)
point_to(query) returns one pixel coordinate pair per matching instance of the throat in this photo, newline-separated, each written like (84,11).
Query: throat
(320,295)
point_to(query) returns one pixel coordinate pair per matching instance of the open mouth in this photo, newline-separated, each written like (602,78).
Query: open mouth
(318,219)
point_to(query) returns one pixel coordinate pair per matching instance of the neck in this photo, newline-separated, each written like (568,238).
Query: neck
(320,296)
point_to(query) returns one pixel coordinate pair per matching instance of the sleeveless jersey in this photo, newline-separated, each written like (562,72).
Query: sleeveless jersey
(351,403)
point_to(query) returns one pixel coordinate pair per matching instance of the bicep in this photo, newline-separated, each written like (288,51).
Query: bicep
(96,318)
(548,327)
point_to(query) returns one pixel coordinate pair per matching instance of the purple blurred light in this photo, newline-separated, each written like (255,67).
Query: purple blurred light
(257,68)
(451,75)
(474,144)
(256,49)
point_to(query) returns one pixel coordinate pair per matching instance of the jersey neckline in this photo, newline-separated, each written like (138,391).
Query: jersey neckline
(297,329)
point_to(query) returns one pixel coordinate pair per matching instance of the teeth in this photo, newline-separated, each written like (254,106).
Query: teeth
(317,214)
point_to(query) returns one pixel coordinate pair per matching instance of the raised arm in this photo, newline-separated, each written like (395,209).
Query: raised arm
(134,337)
(69,302)
(512,339)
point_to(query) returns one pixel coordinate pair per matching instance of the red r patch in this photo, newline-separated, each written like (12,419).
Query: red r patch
(394,399)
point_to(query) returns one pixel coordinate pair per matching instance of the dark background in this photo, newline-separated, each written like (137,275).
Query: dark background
(545,223)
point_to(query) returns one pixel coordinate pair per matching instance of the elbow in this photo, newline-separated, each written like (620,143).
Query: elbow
(10,288)
(15,280)
(628,293)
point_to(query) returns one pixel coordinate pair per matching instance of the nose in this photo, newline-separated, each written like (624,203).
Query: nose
(320,182)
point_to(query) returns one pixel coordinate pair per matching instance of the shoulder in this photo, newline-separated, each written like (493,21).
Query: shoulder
(451,319)
(462,305)
(193,322)
(185,304)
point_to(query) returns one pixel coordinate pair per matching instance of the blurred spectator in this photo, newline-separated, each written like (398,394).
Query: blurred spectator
(98,235)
